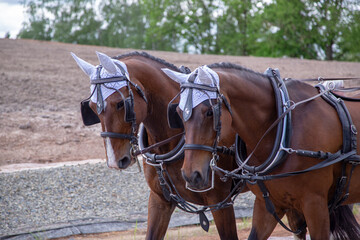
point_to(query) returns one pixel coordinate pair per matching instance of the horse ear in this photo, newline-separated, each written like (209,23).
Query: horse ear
(176,76)
(204,76)
(88,68)
(107,63)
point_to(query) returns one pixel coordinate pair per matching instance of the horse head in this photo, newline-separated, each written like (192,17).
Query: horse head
(113,103)
(200,110)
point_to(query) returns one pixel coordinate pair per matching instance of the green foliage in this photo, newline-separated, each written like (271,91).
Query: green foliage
(38,26)
(342,30)
(199,25)
(238,27)
(285,31)
(314,29)
(350,47)
(163,22)
(71,21)
(123,24)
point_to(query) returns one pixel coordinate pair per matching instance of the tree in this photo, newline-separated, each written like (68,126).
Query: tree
(236,27)
(61,20)
(327,22)
(38,26)
(349,43)
(315,29)
(337,25)
(123,24)
(164,22)
(285,31)
(199,28)
(75,22)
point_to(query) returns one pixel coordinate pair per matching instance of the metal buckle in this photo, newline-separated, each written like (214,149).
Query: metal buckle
(288,150)
(148,161)
(353,129)
(289,104)
(320,80)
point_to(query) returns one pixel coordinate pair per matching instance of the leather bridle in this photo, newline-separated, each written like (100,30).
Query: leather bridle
(216,108)
(130,115)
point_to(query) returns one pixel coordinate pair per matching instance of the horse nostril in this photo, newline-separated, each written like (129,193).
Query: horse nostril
(184,176)
(124,162)
(196,179)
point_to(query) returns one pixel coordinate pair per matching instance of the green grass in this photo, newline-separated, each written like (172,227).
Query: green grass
(245,223)
(135,230)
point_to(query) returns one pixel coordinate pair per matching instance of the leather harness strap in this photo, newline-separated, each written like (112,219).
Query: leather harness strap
(346,154)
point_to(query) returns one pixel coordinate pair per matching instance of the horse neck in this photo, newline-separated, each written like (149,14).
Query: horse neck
(159,90)
(252,100)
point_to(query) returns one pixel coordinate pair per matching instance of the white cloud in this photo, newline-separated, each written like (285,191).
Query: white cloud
(11,18)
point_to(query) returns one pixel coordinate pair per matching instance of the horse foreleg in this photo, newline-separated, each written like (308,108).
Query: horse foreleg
(225,223)
(263,222)
(159,214)
(297,222)
(316,213)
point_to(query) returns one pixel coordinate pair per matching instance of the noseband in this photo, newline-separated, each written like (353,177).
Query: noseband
(89,117)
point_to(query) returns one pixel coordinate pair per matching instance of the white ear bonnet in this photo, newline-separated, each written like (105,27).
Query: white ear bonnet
(205,76)
(109,69)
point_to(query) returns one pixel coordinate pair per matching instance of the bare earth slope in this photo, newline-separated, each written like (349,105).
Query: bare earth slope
(41,88)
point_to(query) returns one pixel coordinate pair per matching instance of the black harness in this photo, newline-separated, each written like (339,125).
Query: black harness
(175,120)
(259,174)
(283,130)
(90,117)
(281,149)
(140,144)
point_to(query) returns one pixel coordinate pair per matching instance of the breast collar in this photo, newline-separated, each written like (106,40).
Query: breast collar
(283,131)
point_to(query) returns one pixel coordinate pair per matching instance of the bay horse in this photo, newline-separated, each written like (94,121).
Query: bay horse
(131,89)
(296,181)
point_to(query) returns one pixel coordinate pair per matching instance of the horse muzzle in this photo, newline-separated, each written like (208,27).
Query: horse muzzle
(198,182)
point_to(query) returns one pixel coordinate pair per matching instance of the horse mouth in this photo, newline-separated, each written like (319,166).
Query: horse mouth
(197,181)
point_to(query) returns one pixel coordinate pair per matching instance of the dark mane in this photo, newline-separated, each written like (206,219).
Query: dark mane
(244,70)
(146,55)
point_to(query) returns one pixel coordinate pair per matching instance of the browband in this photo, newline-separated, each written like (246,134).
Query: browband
(198,86)
(108,80)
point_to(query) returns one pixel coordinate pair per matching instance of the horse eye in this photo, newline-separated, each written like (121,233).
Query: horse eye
(119,105)
(209,112)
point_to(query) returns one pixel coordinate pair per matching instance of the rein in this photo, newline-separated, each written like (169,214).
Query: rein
(320,79)
(250,175)
(330,158)
(181,203)
(275,123)
(158,144)
(168,188)
(347,153)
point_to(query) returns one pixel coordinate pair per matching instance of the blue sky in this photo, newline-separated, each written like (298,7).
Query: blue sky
(11,17)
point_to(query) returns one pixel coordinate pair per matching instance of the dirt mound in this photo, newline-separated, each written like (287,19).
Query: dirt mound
(41,88)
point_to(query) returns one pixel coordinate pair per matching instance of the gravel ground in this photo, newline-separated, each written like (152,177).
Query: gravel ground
(38,201)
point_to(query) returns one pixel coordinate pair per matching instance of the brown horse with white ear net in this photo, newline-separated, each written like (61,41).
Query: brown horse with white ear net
(130,89)
(301,142)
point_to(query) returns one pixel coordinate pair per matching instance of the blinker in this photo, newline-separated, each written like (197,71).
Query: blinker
(173,117)
(89,117)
